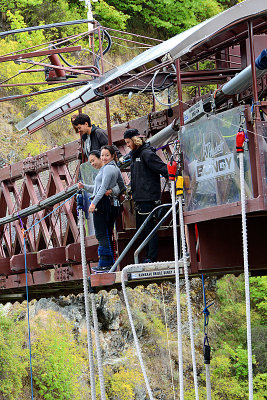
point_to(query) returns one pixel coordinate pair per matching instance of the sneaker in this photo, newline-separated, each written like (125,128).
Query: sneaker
(101,270)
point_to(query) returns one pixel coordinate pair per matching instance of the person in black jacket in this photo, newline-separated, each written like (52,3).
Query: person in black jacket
(93,137)
(146,168)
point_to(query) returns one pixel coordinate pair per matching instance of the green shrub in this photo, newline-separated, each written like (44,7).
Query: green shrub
(13,357)
(58,367)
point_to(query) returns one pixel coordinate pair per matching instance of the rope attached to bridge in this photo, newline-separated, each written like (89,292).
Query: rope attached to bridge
(86,286)
(28,313)
(240,141)
(86,299)
(136,342)
(179,188)
(177,287)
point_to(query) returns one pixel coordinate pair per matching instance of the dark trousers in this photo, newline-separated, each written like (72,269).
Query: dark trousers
(143,208)
(103,230)
(104,219)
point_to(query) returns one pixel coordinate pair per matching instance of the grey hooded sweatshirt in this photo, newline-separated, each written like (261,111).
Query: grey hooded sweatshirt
(107,178)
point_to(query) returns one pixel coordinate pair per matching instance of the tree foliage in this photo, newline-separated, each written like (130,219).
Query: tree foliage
(13,357)
(58,365)
(162,18)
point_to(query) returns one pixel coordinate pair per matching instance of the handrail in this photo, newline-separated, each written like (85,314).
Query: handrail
(129,245)
(143,244)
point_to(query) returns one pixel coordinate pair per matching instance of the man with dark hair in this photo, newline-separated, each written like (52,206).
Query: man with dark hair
(146,168)
(93,137)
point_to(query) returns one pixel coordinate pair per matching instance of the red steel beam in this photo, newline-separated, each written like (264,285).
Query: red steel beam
(40,83)
(73,70)
(5,266)
(53,256)
(34,199)
(73,250)
(179,89)
(40,53)
(17,262)
(50,190)
(10,207)
(66,206)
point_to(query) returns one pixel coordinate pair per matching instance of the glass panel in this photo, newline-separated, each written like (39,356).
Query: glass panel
(211,169)
(88,174)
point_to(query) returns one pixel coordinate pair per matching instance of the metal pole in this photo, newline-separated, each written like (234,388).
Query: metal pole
(136,342)
(90,18)
(106,98)
(129,245)
(144,242)
(108,120)
(253,69)
(50,201)
(177,282)
(179,88)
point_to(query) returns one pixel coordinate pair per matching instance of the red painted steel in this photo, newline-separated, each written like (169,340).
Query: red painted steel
(39,53)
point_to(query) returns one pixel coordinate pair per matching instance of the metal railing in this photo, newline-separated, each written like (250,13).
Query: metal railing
(139,231)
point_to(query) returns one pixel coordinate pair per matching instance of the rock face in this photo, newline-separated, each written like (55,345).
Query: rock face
(154,314)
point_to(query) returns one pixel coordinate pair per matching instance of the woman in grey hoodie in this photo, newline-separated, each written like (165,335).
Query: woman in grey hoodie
(105,209)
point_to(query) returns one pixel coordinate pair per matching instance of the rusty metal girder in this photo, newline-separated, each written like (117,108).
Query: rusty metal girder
(18,195)
(59,155)
(40,53)
(63,274)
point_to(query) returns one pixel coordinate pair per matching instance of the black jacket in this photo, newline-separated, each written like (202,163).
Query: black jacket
(146,168)
(98,139)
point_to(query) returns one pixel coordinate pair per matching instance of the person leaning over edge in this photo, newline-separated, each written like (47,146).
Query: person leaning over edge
(93,137)
(146,168)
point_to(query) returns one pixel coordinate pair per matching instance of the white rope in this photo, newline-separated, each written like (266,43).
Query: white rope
(168,344)
(98,349)
(246,272)
(177,282)
(136,342)
(87,309)
(208,382)
(187,286)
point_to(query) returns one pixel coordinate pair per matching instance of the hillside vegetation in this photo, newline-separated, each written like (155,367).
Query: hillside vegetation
(59,349)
